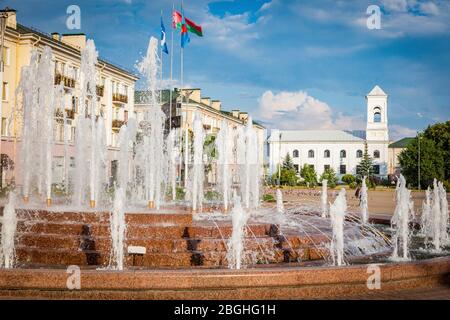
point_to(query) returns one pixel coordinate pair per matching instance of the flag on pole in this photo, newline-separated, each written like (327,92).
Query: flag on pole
(177,20)
(163,38)
(184,31)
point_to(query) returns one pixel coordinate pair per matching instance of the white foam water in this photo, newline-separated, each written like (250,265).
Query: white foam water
(8,233)
(338,211)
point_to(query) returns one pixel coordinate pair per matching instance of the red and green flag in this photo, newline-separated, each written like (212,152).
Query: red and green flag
(191,26)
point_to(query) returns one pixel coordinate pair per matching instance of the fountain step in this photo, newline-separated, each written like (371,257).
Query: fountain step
(103,244)
(57,257)
(163,230)
(169,216)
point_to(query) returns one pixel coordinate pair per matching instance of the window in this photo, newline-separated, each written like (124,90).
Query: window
(376,169)
(5,91)
(295,153)
(311,154)
(326,167)
(343,169)
(326,154)
(296,167)
(6,56)
(343,154)
(4,127)
(376,154)
(359,154)
(377,114)
(58,169)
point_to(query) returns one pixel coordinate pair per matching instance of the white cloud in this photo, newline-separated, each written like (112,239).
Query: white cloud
(397,132)
(395,5)
(298,110)
(429,8)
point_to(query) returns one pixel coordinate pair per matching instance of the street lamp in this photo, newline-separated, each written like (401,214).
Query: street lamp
(4,14)
(418,160)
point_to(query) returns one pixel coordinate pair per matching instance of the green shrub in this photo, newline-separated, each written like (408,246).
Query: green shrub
(212,195)
(447,185)
(268,198)
(352,185)
(348,179)
(329,175)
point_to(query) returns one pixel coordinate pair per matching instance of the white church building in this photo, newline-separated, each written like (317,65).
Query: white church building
(341,150)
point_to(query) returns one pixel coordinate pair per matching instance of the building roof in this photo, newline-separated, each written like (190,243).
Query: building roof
(318,135)
(377,91)
(402,143)
(29,30)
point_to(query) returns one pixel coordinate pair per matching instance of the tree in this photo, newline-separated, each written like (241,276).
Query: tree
(309,175)
(287,162)
(366,164)
(348,179)
(330,176)
(440,134)
(287,177)
(432,164)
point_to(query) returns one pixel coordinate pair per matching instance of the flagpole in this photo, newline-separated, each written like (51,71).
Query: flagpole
(161,74)
(171,73)
(186,134)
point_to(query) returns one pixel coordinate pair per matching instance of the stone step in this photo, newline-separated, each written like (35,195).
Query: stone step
(57,257)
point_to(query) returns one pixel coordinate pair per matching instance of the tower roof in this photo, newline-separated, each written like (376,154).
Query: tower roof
(377,91)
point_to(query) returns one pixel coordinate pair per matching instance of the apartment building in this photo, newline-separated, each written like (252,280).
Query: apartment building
(115,88)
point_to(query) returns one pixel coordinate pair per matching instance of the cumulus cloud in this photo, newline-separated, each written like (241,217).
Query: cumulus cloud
(298,110)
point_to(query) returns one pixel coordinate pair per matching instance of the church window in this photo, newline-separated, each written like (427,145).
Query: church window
(326,167)
(343,154)
(377,114)
(326,154)
(295,154)
(376,154)
(343,169)
(376,169)
(311,154)
(359,154)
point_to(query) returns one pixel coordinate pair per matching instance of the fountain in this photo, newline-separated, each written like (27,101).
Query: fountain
(9,225)
(197,166)
(324,198)
(363,203)
(235,252)
(400,221)
(118,228)
(151,149)
(249,167)
(337,215)
(280,205)
(172,150)
(224,148)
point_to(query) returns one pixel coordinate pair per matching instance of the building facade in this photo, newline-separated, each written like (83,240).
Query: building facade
(181,116)
(395,149)
(115,89)
(340,150)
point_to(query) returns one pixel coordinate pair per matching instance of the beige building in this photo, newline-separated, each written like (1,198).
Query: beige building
(212,114)
(115,86)
(395,149)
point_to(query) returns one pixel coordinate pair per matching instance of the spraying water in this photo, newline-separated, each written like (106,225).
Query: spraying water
(235,252)
(324,198)
(9,226)
(337,214)
(198,167)
(172,151)
(248,161)
(364,202)
(400,221)
(118,227)
(151,150)
(224,148)
(435,217)
(280,205)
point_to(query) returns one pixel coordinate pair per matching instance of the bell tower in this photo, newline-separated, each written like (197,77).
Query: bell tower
(377,122)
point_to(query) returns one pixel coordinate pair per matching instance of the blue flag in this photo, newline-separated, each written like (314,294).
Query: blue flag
(184,31)
(163,38)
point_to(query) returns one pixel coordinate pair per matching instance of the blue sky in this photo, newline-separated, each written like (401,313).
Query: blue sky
(290,64)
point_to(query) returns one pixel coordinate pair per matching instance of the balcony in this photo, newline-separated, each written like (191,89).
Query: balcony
(70,114)
(66,81)
(100,91)
(122,98)
(117,124)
